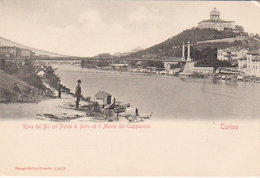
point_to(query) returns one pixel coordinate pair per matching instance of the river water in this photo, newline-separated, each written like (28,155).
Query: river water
(169,97)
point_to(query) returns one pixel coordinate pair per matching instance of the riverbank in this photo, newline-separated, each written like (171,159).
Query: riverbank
(20,100)
(226,74)
(17,89)
(166,96)
(55,109)
(63,109)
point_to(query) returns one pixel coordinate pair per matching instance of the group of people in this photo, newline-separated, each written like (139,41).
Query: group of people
(77,92)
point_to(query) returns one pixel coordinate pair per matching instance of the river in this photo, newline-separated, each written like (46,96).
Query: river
(169,97)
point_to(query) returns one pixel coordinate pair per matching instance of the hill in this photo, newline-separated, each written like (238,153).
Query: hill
(129,52)
(203,43)
(26,82)
(104,56)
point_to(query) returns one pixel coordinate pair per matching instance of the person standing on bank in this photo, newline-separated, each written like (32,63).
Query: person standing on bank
(59,90)
(78,93)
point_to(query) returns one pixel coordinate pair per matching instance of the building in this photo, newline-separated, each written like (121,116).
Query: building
(204,70)
(14,52)
(103,98)
(252,63)
(168,65)
(216,23)
(9,50)
(26,53)
(242,64)
(231,54)
(170,62)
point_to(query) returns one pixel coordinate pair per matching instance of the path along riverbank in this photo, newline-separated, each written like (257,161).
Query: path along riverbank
(22,101)
(54,109)
(22,96)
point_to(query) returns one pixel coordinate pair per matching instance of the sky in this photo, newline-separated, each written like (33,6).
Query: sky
(88,28)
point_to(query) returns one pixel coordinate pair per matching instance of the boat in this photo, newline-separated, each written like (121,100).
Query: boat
(185,74)
(145,115)
(132,114)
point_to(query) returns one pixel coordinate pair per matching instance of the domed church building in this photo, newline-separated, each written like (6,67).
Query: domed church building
(216,23)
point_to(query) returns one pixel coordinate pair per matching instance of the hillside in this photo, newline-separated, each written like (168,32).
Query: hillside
(13,89)
(104,56)
(201,40)
(119,54)
(26,82)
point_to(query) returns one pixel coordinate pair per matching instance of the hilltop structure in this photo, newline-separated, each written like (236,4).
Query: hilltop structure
(216,23)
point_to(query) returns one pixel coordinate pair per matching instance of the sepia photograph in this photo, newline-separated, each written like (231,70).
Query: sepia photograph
(129,88)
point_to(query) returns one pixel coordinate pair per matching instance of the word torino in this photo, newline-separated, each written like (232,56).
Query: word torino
(225,126)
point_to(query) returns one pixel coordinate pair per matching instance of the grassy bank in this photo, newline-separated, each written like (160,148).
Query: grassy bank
(25,81)
(13,90)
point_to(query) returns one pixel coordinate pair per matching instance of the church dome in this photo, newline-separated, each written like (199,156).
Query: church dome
(214,14)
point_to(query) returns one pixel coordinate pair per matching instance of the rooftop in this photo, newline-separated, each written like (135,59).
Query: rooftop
(216,20)
(101,95)
(214,12)
(255,52)
(233,49)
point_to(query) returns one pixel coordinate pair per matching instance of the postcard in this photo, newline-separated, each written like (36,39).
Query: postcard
(129,88)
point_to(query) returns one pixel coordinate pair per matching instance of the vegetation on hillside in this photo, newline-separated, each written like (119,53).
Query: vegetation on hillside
(94,63)
(25,71)
(205,53)
(173,46)
(13,89)
(152,64)
(26,84)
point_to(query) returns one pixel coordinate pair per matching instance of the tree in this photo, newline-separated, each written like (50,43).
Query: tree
(102,63)
(239,28)
(82,63)
(2,63)
(159,65)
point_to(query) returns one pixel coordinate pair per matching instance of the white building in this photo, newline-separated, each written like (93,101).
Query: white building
(252,62)
(231,54)
(26,53)
(216,23)
(242,64)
